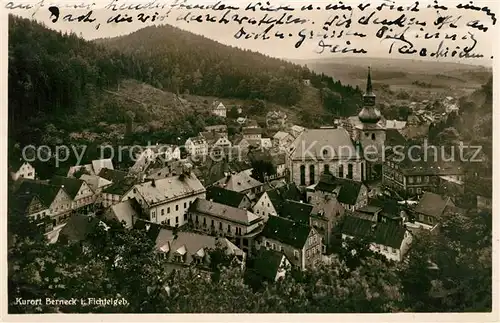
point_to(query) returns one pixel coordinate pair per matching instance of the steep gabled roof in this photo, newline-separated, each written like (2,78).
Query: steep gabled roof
(279,195)
(267,263)
(223,196)
(296,211)
(218,210)
(78,227)
(45,192)
(432,204)
(112,175)
(121,187)
(239,182)
(348,190)
(286,231)
(387,234)
(70,185)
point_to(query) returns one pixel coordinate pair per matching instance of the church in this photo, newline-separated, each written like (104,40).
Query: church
(368,130)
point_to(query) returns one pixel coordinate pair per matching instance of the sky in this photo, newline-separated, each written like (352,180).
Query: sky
(284,48)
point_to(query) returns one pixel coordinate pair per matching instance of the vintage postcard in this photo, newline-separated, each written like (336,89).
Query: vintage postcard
(209,157)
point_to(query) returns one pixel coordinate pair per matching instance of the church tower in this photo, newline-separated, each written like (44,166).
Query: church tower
(369,114)
(371,131)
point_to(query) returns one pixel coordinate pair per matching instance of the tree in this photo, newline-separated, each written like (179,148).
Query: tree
(233,112)
(262,169)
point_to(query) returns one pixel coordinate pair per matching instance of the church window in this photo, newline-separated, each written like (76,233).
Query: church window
(326,169)
(349,171)
(373,136)
(302,175)
(341,171)
(311,174)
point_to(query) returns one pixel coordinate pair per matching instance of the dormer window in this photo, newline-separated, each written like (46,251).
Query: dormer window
(325,152)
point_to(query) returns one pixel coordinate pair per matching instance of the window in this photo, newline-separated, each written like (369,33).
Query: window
(267,204)
(176,219)
(273,246)
(296,253)
(366,134)
(426,179)
(220,225)
(153,214)
(168,222)
(430,220)
(341,171)
(373,136)
(311,174)
(419,190)
(419,179)
(204,221)
(326,169)
(197,219)
(162,211)
(168,210)
(325,152)
(177,207)
(184,204)
(302,175)
(410,179)
(229,228)
(185,216)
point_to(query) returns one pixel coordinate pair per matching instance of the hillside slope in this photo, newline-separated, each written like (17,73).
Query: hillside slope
(60,83)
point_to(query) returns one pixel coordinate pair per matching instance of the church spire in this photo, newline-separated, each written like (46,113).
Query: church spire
(369,114)
(369,89)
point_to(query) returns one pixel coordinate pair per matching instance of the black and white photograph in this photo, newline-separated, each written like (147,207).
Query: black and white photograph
(209,157)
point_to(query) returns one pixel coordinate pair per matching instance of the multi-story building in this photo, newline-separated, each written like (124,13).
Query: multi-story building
(350,194)
(166,201)
(238,225)
(81,194)
(416,172)
(300,243)
(197,146)
(390,239)
(22,169)
(219,109)
(241,182)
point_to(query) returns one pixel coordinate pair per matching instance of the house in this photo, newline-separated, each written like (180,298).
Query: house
(270,265)
(296,130)
(196,146)
(252,133)
(318,151)
(164,152)
(238,225)
(126,212)
(78,190)
(78,228)
(51,201)
(241,182)
(389,239)
(220,129)
(279,161)
(166,201)
(429,211)
(93,168)
(282,140)
(245,145)
(22,169)
(421,171)
(300,243)
(324,217)
(185,249)
(112,175)
(350,194)
(96,184)
(228,197)
(395,124)
(216,143)
(266,143)
(114,193)
(271,202)
(298,212)
(219,109)
(275,119)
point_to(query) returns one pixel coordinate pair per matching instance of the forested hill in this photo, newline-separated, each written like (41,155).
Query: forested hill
(58,79)
(179,60)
